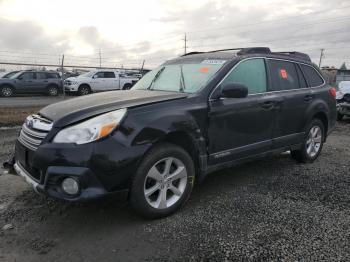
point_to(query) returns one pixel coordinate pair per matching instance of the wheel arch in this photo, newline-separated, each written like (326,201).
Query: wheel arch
(8,84)
(320,110)
(324,119)
(85,84)
(179,129)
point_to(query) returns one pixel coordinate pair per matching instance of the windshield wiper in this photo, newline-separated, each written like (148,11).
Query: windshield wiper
(182,81)
(155,78)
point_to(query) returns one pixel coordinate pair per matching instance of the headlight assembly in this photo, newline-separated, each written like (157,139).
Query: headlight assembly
(91,129)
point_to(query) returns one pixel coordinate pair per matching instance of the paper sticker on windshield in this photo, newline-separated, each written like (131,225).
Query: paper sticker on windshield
(283,73)
(213,62)
(204,70)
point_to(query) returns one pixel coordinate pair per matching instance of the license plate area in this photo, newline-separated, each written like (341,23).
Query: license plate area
(25,157)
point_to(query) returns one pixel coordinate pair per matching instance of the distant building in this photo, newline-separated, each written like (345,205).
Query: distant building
(333,75)
(342,75)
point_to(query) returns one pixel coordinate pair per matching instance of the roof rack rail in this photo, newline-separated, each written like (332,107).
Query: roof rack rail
(254,50)
(241,51)
(193,53)
(295,54)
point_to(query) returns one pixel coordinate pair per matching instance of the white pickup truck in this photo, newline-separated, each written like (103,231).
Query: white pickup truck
(98,81)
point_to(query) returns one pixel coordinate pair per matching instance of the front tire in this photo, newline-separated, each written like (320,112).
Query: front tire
(6,91)
(163,181)
(84,90)
(313,143)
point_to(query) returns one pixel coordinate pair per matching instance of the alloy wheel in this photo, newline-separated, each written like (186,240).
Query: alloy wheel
(53,91)
(84,91)
(6,91)
(313,142)
(165,183)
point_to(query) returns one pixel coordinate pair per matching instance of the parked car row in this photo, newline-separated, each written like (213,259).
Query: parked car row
(97,81)
(31,82)
(50,82)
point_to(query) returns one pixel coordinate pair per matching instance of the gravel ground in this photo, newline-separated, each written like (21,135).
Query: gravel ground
(272,209)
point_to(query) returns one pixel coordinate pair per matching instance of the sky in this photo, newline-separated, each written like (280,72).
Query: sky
(125,33)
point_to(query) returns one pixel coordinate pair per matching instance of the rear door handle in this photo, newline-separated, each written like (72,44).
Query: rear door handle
(308,98)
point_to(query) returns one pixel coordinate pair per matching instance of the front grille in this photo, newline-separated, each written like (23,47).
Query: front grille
(33,131)
(67,82)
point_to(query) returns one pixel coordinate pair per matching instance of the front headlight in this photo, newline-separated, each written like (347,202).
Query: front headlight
(92,129)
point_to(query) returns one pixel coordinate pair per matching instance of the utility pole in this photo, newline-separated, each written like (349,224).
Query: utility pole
(143,64)
(321,56)
(64,91)
(100,57)
(185,46)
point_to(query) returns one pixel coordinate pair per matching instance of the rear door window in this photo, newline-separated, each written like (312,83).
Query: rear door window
(109,75)
(52,75)
(41,76)
(312,77)
(251,73)
(284,75)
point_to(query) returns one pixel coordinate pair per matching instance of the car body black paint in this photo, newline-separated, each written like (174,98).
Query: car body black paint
(222,131)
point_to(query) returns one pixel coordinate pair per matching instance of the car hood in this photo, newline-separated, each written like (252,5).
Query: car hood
(6,80)
(76,109)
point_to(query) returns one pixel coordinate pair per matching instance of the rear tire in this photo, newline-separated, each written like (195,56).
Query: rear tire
(84,90)
(6,91)
(126,87)
(163,181)
(313,143)
(340,117)
(52,91)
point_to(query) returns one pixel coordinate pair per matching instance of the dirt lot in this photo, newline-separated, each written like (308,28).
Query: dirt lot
(273,209)
(13,110)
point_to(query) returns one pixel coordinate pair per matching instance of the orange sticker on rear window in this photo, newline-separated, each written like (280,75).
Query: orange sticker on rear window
(204,69)
(283,73)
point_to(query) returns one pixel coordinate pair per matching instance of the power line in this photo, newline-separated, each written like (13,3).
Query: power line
(272,20)
(303,26)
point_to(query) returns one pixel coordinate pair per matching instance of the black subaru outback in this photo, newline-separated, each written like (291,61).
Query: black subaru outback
(190,116)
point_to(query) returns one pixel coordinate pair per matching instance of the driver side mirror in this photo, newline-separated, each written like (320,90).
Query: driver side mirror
(234,90)
(20,78)
(94,76)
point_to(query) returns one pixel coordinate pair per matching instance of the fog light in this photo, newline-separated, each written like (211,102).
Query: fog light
(70,186)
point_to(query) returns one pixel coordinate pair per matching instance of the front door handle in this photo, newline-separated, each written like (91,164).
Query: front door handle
(267,104)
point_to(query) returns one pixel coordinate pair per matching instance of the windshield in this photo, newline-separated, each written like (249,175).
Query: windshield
(15,75)
(188,78)
(8,75)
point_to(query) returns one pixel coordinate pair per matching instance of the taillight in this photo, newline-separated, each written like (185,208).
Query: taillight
(333,92)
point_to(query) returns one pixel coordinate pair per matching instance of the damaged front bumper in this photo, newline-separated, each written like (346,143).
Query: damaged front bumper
(343,108)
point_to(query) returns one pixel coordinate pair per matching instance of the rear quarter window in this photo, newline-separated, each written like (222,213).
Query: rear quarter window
(52,75)
(313,78)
